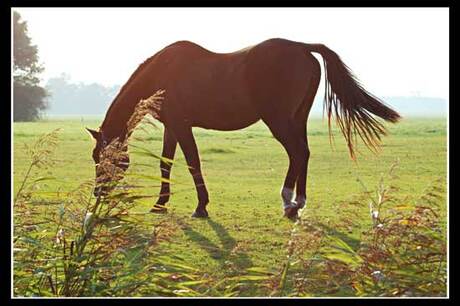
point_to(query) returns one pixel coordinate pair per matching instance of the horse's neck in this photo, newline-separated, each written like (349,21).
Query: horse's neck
(120,111)
(137,88)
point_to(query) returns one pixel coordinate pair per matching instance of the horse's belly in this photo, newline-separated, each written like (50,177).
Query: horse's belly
(210,92)
(224,114)
(218,101)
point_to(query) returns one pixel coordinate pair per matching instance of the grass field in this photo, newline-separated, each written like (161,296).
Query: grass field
(244,171)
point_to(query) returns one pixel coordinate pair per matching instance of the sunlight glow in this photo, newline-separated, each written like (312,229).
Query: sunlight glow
(393,51)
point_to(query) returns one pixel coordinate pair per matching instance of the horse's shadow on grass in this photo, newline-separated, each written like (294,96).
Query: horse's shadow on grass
(221,254)
(352,242)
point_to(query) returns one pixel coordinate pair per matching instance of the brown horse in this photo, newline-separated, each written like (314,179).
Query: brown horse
(274,81)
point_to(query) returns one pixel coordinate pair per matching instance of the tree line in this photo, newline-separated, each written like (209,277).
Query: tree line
(29,98)
(60,95)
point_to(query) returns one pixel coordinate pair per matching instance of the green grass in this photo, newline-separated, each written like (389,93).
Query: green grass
(244,171)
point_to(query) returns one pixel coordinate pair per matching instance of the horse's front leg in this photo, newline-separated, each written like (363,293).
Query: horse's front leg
(187,143)
(169,149)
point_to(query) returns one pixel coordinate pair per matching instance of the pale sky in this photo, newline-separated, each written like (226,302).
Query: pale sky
(393,51)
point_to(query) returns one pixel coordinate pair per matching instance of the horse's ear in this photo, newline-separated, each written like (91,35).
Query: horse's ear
(96,135)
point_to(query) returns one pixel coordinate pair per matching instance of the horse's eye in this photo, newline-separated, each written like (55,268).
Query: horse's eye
(104,143)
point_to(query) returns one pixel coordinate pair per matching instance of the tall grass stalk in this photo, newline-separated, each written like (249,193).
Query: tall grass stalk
(78,245)
(401,253)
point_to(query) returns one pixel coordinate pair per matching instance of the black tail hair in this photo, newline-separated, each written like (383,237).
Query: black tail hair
(351,104)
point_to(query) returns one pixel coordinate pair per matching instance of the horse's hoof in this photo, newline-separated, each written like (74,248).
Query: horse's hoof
(200,213)
(159,209)
(291,212)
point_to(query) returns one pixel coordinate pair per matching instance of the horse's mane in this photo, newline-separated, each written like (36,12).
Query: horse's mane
(131,79)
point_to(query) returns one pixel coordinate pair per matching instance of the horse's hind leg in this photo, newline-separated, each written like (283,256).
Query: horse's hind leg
(187,143)
(288,135)
(301,183)
(169,149)
(301,118)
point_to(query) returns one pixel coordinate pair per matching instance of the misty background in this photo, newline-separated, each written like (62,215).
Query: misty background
(71,98)
(400,55)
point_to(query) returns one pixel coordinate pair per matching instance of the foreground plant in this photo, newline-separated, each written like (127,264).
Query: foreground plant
(402,253)
(73,244)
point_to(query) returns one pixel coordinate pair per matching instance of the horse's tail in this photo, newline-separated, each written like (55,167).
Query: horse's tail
(352,105)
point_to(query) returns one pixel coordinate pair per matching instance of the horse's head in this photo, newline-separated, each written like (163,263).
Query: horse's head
(117,159)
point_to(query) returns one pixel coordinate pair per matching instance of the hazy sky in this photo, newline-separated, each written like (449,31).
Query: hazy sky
(393,51)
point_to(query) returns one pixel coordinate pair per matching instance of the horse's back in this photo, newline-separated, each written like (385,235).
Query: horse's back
(206,87)
(203,86)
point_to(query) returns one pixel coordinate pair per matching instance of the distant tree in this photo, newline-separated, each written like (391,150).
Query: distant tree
(29,98)
(77,98)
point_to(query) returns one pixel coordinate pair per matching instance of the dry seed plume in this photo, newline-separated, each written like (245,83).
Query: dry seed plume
(112,157)
(151,106)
